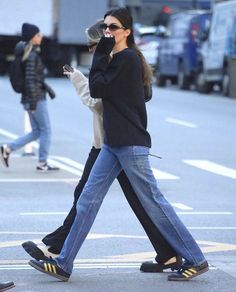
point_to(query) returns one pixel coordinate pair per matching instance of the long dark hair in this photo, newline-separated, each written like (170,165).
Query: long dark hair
(125,18)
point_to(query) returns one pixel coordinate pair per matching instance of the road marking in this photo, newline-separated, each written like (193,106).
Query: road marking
(180,122)
(178,212)
(204,213)
(8,134)
(16,242)
(94,236)
(14,136)
(206,247)
(42,213)
(70,162)
(79,266)
(52,161)
(181,206)
(163,175)
(211,246)
(74,167)
(38,180)
(213,228)
(65,167)
(23,232)
(212,167)
(159,175)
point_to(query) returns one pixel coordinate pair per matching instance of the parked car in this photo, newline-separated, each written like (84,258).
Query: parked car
(218,48)
(177,53)
(147,39)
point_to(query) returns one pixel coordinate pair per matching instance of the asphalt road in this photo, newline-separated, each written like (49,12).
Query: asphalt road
(195,136)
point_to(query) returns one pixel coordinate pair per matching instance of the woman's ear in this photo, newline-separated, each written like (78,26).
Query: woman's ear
(127,32)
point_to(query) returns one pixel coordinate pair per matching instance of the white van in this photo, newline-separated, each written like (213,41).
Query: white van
(217,49)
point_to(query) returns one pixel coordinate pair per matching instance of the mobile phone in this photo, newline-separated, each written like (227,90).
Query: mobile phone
(68,68)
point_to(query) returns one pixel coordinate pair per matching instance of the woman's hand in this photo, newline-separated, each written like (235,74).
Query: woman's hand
(106,44)
(67,73)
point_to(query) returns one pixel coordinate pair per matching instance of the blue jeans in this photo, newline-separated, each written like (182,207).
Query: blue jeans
(135,162)
(41,129)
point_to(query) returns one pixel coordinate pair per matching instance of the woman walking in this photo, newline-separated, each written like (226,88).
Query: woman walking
(119,83)
(33,99)
(53,242)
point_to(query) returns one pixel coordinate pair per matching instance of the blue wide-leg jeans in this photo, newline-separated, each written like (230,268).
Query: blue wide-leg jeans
(135,162)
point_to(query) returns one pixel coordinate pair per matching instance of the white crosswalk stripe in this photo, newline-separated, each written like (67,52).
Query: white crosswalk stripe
(76,168)
(212,167)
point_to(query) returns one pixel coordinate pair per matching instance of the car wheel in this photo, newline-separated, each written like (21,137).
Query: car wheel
(202,85)
(183,80)
(225,82)
(160,80)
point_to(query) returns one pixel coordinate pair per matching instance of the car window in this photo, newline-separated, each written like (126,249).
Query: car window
(179,25)
(204,21)
(200,24)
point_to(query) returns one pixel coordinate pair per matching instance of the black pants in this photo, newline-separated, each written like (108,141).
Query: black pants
(56,239)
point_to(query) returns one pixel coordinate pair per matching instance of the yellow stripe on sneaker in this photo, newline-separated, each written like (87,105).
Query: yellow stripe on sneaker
(45,267)
(186,275)
(192,270)
(54,269)
(188,272)
(50,268)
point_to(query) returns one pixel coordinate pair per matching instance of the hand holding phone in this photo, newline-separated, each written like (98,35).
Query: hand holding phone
(68,68)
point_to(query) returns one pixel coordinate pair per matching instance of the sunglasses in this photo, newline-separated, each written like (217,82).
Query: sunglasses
(112,27)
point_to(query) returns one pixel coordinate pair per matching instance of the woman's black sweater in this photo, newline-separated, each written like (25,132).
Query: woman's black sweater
(119,83)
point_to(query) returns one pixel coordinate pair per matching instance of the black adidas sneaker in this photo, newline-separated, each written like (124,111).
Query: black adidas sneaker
(187,273)
(51,268)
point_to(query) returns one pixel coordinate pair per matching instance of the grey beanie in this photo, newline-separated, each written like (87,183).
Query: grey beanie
(28,31)
(94,32)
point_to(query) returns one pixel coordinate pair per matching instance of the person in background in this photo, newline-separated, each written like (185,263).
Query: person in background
(6,286)
(163,17)
(119,83)
(33,99)
(53,242)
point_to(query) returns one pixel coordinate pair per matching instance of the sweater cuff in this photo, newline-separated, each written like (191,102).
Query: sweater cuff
(105,45)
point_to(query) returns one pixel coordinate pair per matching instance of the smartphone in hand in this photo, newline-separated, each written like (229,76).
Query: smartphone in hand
(68,68)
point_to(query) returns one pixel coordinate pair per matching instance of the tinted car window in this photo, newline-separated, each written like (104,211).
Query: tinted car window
(179,26)
(200,25)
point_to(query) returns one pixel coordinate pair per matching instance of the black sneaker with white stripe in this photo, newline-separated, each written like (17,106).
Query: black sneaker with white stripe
(186,273)
(4,155)
(51,268)
(46,168)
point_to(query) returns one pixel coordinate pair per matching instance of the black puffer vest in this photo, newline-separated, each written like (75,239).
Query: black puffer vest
(34,80)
